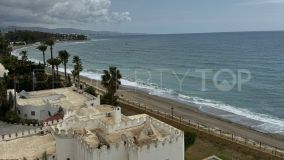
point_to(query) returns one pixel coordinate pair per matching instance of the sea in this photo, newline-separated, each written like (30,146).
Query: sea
(236,76)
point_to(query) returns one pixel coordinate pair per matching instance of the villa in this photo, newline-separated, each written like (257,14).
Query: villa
(40,105)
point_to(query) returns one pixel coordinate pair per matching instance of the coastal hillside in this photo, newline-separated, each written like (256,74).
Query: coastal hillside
(25,36)
(90,33)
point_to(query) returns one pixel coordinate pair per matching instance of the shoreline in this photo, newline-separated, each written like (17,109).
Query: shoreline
(190,112)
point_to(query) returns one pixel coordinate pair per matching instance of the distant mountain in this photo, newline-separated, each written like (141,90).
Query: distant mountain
(69,31)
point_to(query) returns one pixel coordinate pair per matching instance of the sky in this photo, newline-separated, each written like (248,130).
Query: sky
(146,16)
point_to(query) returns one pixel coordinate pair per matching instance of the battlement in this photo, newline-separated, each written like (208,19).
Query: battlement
(125,124)
(20,134)
(51,123)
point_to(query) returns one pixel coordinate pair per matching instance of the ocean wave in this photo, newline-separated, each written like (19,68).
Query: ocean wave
(97,40)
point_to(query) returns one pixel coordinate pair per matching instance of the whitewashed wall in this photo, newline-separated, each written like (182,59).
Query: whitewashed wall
(76,149)
(41,112)
(65,148)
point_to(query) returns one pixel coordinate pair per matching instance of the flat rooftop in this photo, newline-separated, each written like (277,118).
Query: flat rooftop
(98,126)
(28,147)
(64,97)
(143,134)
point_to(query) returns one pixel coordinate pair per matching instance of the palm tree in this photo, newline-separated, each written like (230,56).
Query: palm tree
(24,55)
(74,74)
(50,43)
(111,81)
(78,67)
(64,57)
(55,62)
(42,48)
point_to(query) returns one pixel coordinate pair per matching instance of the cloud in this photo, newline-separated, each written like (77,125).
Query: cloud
(60,12)
(263,2)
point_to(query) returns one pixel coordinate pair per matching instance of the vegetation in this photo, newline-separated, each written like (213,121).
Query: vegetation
(44,156)
(64,57)
(189,139)
(34,36)
(91,90)
(6,104)
(26,75)
(4,46)
(60,111)
(203,148)
(111,81)
(78,67)
(42,48)
(50,43)
(24,55)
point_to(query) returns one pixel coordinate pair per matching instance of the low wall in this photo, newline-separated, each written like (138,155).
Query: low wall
(20,134)
(216,135)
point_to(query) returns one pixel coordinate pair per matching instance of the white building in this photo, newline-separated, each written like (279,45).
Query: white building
(2,71)
(103,133)
(90,131)
(40,105)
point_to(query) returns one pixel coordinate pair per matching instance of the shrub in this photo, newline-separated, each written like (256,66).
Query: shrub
(91,90)
(109,99)
(29,121)
(189,139)
(11,117)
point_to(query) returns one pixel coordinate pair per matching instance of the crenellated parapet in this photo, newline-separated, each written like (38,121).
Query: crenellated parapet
(125,124)
(51,123)
(20,134)
(164,126)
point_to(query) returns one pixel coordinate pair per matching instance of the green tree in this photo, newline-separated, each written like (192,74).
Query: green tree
(111,81)
(42,48)
(78,67)
(44,156)
(91,90)
(189,139)
(4,46)
(11,63)
(55,62)
(64,57)
(24,55)
(50,43)
(74,74)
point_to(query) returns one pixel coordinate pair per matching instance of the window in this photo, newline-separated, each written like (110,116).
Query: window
(19,112)
(33,113)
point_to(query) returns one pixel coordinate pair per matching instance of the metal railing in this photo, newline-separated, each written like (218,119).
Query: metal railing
(274,151)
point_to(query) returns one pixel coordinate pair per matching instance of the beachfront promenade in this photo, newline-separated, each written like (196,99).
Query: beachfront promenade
(209,127)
